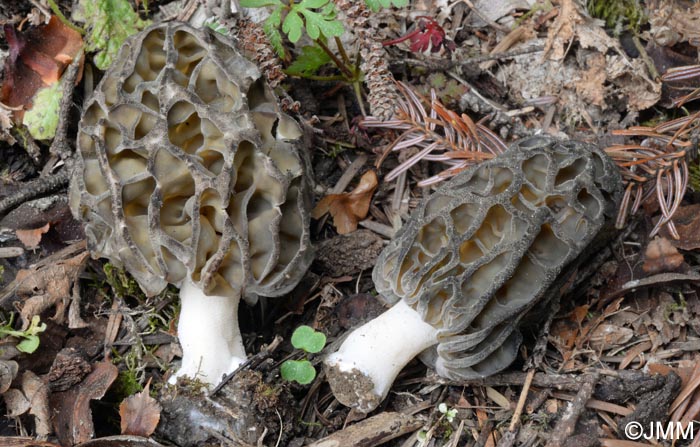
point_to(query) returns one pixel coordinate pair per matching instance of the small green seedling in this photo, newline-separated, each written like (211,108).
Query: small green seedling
(30,336)
(310,341)
(214,24)
(450,413)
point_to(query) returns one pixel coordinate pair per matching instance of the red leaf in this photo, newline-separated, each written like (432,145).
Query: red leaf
(428,36)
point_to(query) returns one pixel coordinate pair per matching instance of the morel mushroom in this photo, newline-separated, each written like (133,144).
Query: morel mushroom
(473,258)
(189,174)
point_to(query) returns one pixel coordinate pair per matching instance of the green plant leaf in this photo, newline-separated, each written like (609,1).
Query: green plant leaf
(30,336)
(42,119)
(301,371)
(309,61)
(214,24)
(318,24)
(109,23)
(35,327)
(260,3)
(376,5)
(29,344)
(271,28)
(310,4)
(292,26)
(308,340)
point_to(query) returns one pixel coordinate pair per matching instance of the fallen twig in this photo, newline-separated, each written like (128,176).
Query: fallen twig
(372,431)
(566,425)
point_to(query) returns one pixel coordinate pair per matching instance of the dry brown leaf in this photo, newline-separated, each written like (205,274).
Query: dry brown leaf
(37,391)
(562,30)
(8,372)
(139,413)
(37,58)
(16,402)
(347,209)
(661,256)
(73,416)
(591,86)
(498,398)
(45,286)
(572,22)
(31,238)
(668,317)
(606,336)
(687,222)
(629,77)
(33,397)
(672,22)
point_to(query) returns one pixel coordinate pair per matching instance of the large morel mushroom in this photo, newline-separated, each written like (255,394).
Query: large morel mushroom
(472,259)
(189,174)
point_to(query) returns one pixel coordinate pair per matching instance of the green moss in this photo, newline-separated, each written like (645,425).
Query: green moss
(619,15)
(121,282)
(126,384)
(694,180)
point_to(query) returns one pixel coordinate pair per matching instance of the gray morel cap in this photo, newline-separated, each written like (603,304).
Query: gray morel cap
(485,246)
(186,166)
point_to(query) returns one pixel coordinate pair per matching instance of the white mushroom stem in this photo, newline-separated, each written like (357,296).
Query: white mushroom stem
(208,330)
(362,371)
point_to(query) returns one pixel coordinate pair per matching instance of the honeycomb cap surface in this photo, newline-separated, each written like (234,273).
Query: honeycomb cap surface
(480,251)
(186,166)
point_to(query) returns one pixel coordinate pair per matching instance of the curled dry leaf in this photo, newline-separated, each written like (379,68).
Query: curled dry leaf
(661,256)
(347,209)
(31,238)
(33,397)
(139,413)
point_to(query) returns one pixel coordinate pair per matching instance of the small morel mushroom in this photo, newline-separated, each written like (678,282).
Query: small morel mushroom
(189,174)
(473,258)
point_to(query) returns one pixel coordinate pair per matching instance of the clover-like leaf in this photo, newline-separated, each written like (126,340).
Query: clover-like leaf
(308,340)
(293,25)
(318,24)
(301,371)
